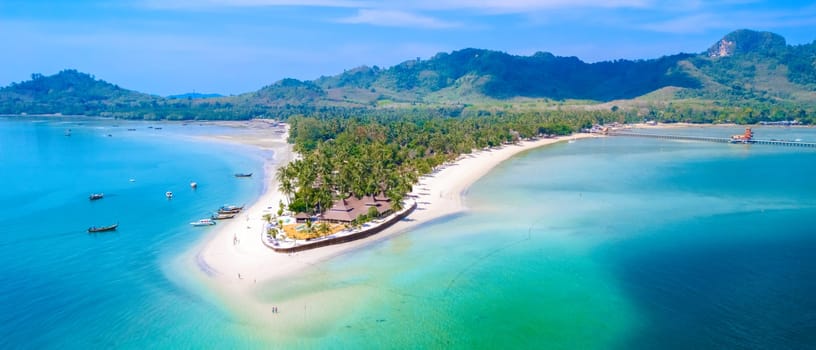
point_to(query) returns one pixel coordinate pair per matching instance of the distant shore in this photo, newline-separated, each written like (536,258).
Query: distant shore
(706,125)
(234,261)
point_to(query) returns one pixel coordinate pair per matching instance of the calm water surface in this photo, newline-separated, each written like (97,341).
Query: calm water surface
(603,243)
(64,288)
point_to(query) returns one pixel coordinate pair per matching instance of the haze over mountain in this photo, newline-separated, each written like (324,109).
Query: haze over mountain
(745,66)
(192,95)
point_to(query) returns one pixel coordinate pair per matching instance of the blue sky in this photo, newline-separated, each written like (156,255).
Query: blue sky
(233,46)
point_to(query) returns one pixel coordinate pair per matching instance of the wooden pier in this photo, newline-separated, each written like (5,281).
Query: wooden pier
(713,139)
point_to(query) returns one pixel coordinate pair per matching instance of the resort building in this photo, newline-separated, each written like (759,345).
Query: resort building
(302,217)
(348,209)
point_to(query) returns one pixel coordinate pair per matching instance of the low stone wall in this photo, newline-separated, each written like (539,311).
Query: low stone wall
(344,239)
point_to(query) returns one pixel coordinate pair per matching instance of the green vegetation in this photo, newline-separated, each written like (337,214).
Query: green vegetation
(347,155)
(499,75)
(745,77)
(73,93)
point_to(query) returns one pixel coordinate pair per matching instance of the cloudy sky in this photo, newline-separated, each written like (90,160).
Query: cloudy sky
(233,46)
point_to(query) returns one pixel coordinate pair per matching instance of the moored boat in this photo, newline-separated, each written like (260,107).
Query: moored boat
(95,196)
(168,194)
(243,174)
(203,222)
(193,185)
(223,216)
(230,209)
(93,229)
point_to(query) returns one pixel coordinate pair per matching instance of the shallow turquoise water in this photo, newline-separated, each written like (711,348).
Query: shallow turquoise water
(64,288)
(603,243)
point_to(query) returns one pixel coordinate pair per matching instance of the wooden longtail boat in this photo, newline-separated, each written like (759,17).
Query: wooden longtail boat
(222,216)
(94,229)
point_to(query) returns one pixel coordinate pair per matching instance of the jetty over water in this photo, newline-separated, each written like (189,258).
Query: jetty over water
(750,141)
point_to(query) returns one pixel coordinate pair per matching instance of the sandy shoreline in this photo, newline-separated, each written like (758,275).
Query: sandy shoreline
(236,270)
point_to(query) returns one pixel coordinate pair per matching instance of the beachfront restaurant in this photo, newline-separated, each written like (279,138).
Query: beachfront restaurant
(347,209)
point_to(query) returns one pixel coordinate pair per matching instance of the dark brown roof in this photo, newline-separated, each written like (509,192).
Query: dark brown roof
(341,205)
(350,208)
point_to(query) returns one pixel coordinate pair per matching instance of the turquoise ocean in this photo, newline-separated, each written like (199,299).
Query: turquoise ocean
(61,287)
(618,243)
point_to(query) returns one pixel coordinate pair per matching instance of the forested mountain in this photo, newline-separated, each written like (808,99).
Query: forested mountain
(68,92)
(744,64)
(744,68)
(754,66)
(500,75)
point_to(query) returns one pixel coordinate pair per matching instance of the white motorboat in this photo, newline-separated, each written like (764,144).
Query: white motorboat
(203,222)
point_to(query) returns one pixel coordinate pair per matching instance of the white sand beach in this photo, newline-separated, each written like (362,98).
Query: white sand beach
(234,261)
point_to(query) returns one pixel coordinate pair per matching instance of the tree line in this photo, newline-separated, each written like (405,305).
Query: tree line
(373,154)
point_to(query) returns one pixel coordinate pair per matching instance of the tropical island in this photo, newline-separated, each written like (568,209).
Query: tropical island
(365,137)
(377,152)
(362,141)
(745,77)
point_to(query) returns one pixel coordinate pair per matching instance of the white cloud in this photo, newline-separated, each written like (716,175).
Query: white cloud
(507,6)
(202,4)
(704,21)
(393,18)
(697,23)
(522,6)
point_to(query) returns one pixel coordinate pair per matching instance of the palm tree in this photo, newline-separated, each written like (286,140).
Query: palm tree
(396,200)
(285,182)
(323,228)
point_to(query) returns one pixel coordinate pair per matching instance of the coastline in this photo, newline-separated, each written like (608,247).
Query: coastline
(237,271)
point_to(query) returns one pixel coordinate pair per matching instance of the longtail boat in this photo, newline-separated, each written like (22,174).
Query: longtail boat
(222,216)
(93,229)
(230,209)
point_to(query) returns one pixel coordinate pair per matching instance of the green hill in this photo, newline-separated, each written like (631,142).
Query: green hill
(68,92)
(500,75)
(744,68)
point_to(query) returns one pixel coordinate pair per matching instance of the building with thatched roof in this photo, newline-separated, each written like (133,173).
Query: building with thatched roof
(347,209)
(302,217)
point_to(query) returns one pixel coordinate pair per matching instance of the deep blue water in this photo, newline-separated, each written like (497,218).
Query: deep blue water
(751,286)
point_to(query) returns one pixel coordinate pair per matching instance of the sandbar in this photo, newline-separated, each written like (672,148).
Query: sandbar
(234,261)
